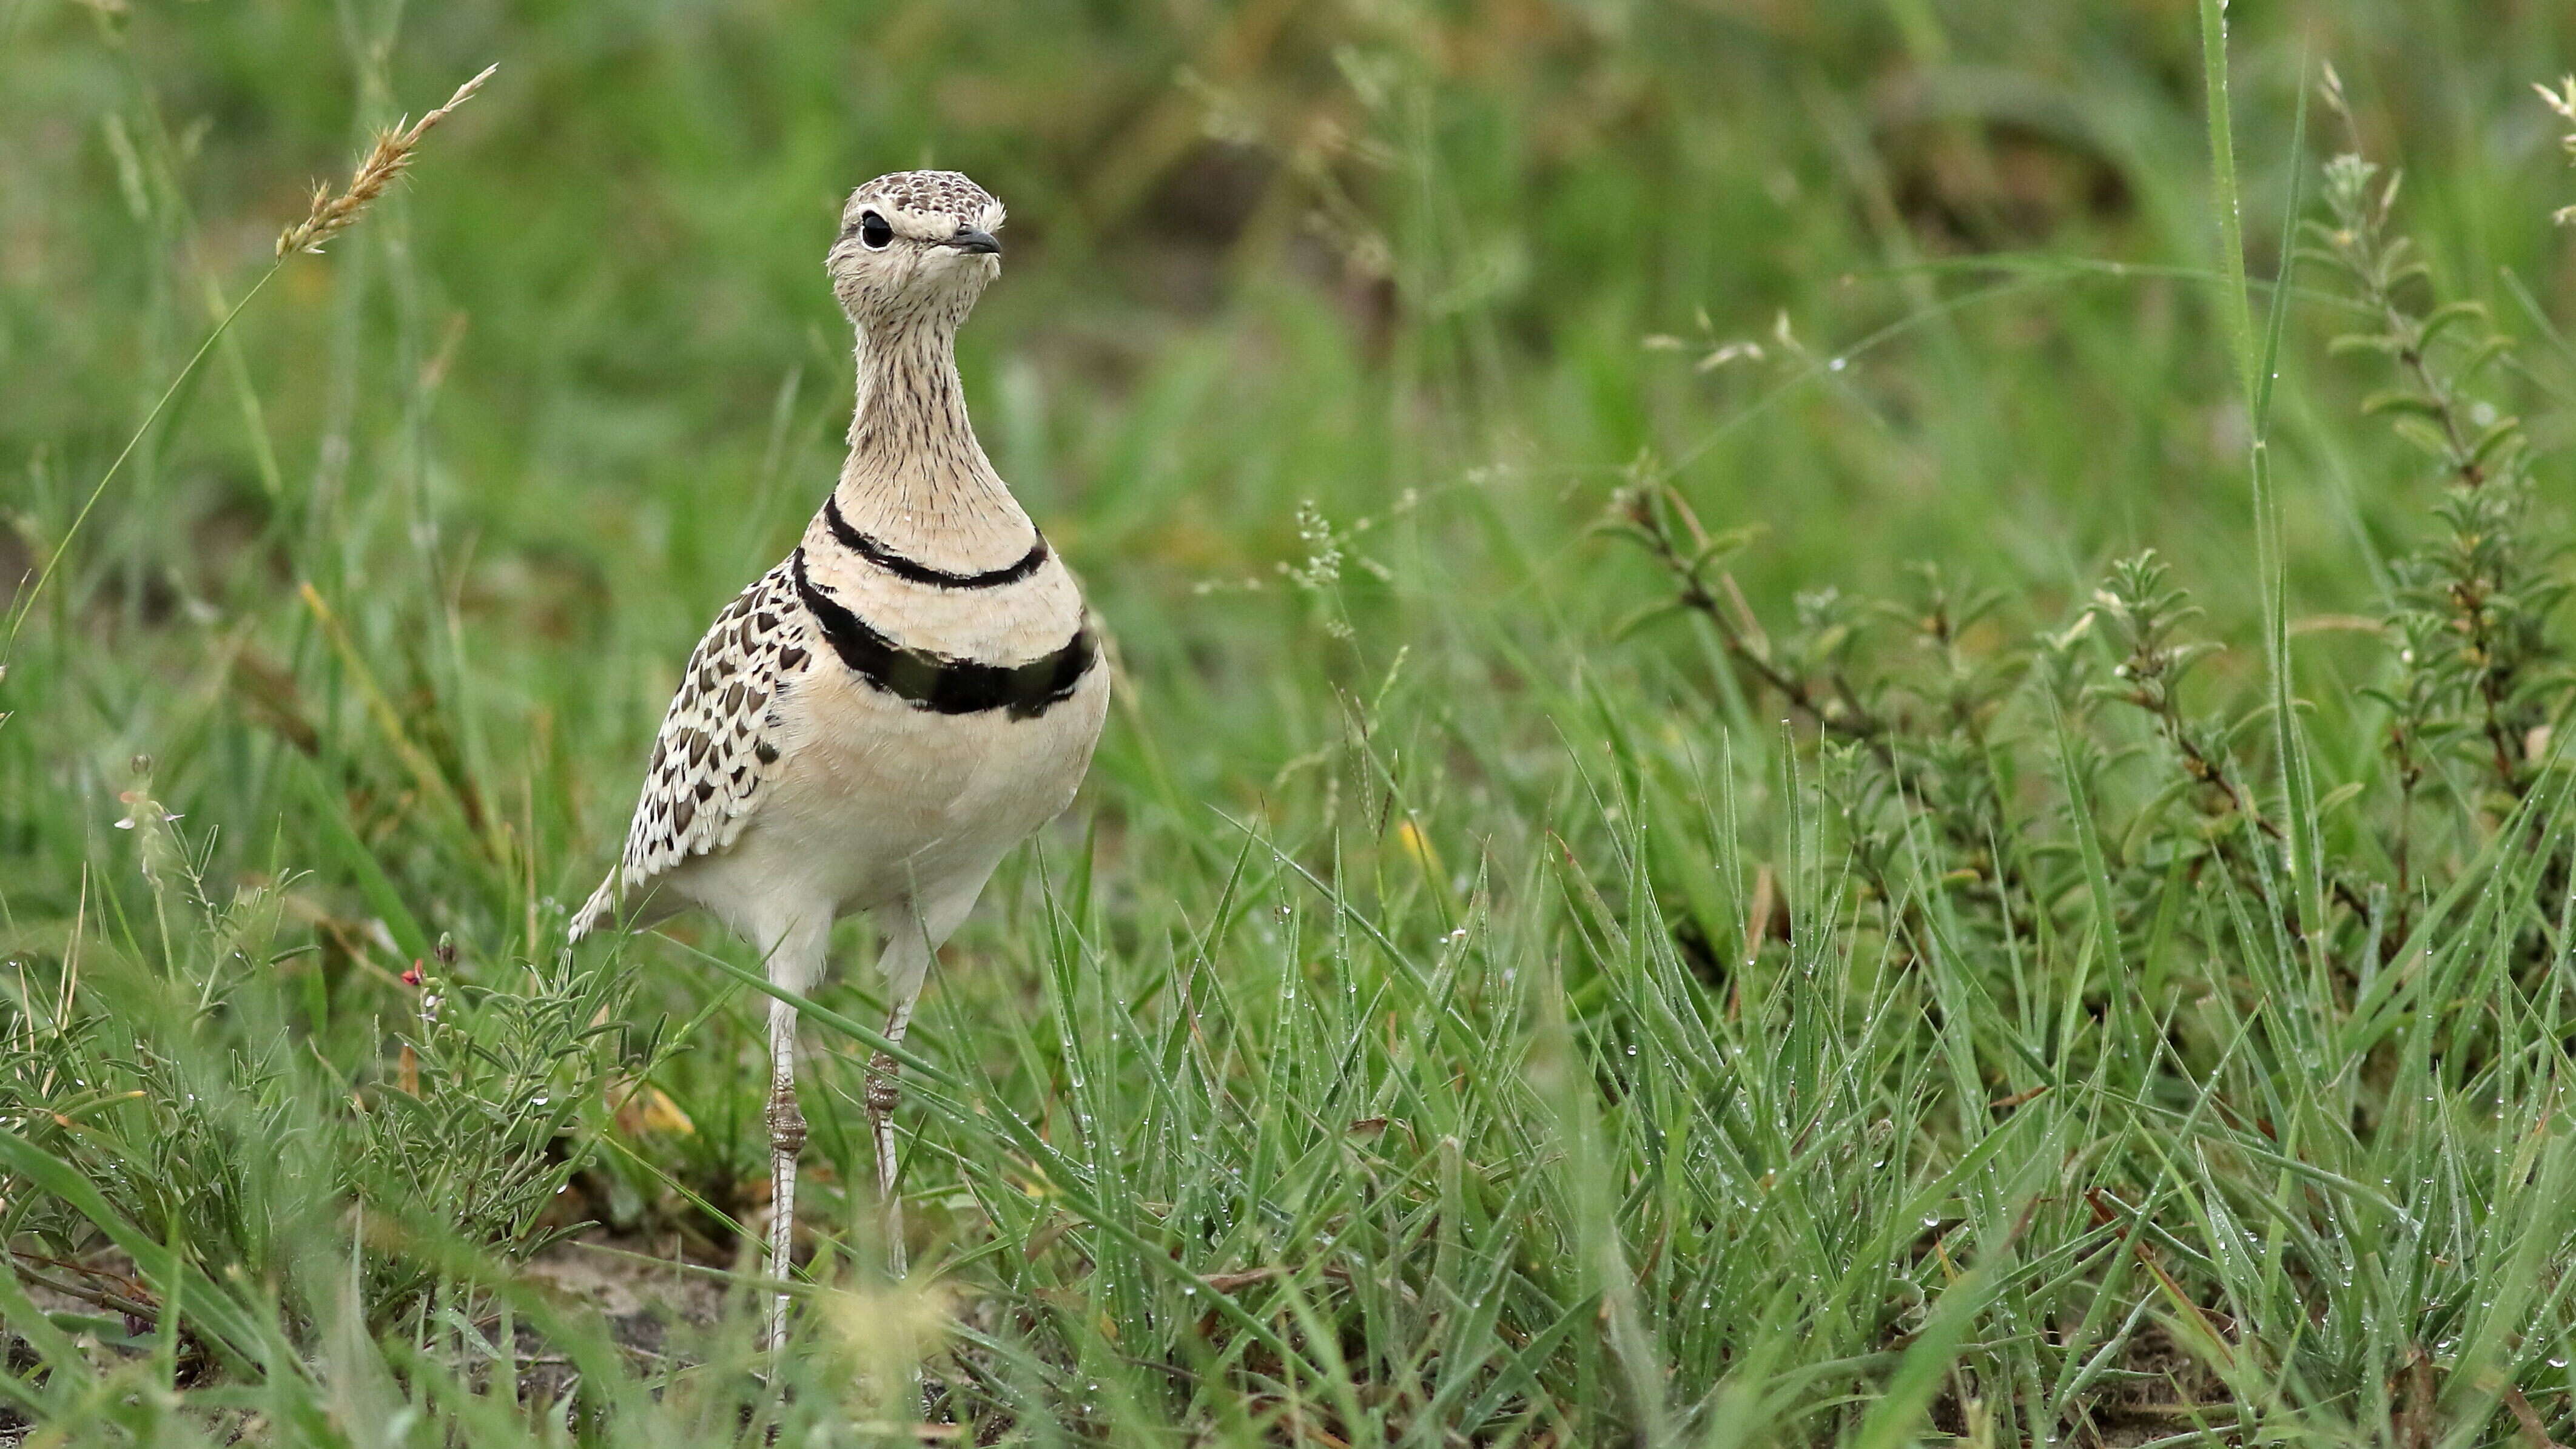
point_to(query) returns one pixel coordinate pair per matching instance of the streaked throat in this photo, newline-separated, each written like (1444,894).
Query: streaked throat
(917,485)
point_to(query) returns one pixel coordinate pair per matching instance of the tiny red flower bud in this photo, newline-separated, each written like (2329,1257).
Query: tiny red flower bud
(412,977)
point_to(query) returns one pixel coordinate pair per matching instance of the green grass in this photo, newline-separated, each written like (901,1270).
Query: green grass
(1459,1009)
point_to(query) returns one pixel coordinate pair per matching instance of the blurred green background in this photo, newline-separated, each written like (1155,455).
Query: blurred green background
(1311,215)
(398,587)
(581,377)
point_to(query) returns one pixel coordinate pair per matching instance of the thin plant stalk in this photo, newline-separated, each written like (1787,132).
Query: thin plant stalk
(329,216)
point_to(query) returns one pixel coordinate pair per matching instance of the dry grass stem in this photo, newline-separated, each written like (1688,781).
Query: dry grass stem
(386,161)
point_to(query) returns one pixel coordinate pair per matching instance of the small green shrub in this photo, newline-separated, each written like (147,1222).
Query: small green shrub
(175,1075)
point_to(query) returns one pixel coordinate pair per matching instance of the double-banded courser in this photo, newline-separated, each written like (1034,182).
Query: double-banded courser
(913,690)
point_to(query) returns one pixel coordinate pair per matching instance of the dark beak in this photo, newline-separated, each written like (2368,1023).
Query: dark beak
(975,241)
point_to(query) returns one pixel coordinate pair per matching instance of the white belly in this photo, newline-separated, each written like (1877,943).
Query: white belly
(881,802)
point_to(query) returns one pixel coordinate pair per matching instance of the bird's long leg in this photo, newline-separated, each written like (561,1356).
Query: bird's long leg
(786,1141)
(883,1094)
(914,930)
(795,963)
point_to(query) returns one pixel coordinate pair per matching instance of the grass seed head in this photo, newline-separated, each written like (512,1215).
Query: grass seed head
(331,215)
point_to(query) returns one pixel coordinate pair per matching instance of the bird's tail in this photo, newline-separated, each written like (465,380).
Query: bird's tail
(600,910)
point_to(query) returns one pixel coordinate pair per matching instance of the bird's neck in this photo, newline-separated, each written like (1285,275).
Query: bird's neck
(916,479)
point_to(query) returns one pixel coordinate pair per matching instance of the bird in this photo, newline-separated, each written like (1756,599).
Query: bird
(875,722)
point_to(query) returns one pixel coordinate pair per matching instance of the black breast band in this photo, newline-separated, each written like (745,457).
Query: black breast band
(875,552)
(938,682)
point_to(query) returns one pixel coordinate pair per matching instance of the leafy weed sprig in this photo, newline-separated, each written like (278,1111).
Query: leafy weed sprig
(2492,664)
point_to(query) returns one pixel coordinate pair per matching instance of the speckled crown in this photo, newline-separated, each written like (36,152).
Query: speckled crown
(924,193)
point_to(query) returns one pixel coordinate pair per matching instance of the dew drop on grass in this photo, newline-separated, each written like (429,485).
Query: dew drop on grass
(1838,364)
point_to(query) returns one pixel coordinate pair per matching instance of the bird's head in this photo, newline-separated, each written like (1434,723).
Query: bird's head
(916,248)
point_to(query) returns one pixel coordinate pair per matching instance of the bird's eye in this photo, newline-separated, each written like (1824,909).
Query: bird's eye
(873,231)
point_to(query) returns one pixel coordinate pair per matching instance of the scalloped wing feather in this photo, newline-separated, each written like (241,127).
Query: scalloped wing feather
(719,746)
